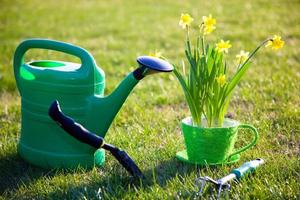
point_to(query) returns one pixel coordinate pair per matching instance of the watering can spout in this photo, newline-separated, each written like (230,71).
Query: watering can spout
(106,108)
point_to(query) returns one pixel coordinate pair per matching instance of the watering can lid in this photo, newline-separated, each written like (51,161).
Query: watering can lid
(155,63)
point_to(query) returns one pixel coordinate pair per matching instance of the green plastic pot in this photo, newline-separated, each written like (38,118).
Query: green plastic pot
(213,146)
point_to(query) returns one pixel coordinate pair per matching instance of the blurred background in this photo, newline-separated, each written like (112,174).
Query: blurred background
(115,32)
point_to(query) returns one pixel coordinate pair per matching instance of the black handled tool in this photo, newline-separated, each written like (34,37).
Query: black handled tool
(82,134)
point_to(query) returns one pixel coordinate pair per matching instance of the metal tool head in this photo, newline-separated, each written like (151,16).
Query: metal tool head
(217,185)
(222,184)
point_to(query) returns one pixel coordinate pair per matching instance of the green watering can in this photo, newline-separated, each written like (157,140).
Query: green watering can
(80,90)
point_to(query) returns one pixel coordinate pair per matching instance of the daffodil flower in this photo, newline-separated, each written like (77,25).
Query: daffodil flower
(209,21)
(208,24)
(223,46)
(156,54)
(221,80)
(242,56)
(208,29)
(275,43)
(185,20)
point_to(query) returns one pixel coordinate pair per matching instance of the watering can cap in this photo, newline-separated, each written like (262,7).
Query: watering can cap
(155,63)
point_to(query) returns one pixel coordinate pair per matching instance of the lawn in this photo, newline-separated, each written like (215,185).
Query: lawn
(147,127)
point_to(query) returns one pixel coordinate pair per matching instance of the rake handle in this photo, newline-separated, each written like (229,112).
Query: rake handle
(247,167)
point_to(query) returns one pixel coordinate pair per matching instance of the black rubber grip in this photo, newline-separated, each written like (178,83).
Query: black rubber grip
(138,73)
(73,128)
(79,132)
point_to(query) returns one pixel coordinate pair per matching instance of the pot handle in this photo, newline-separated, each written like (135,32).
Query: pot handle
(85,57)
(252,143)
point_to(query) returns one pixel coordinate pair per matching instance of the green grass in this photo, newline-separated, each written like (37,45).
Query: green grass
(115,32)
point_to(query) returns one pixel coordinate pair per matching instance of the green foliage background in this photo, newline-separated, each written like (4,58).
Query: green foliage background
(116,32)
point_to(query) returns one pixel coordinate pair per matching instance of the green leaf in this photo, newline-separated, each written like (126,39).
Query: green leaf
(236,78)
(188,96)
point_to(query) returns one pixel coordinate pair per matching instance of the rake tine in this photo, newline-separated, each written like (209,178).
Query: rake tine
(202,186)
(203,181)
(227,189)
(219,192)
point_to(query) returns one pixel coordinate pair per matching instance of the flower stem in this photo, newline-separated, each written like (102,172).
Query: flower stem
(253,53)
(203,45)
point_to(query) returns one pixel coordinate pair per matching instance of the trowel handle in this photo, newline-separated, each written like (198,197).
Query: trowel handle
(86,58)
(247,167)
(73,128)
(80,133)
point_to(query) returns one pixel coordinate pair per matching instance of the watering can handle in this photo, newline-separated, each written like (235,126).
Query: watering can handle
(85,57)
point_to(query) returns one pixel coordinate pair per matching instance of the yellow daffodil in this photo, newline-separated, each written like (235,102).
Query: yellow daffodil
(209,21)
(275,43)
(221,80)
(223,46)
(185,20)
(208,24)
(242,56)
(156,54)
(208,29)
